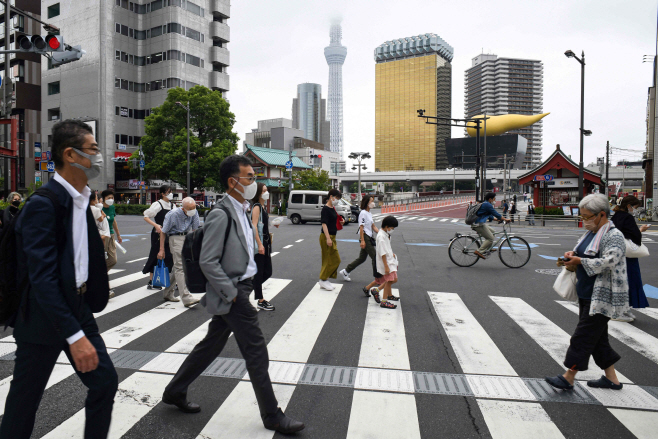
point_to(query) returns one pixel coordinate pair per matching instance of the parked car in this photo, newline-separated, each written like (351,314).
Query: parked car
(307,205)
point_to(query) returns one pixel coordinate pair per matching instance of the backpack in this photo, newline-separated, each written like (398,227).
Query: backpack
(472,213)
(11,287)
(194,277)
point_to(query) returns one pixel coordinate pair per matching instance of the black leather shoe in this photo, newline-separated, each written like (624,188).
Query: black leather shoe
(181,402)
(282,423)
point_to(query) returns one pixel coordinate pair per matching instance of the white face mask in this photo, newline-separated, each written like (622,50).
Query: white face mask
(390,232)
(371,205)
(249,191)
(169,196)
(334,201)
(265,196)
(190,212)
(109,202)
(96,164)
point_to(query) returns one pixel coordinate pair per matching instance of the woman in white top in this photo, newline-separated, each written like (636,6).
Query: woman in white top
(387,263)
(101,219)
(155,215)
(367,233)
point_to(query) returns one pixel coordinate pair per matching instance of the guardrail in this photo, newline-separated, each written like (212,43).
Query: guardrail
(411,205)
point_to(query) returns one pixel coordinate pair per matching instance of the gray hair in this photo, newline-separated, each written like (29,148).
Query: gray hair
(595,203)
(12,195)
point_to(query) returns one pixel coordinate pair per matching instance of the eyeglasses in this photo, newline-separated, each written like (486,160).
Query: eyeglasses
(94,150)
(249,179)
(585,218)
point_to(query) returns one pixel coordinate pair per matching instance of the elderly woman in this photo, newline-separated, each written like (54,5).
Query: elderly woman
(625,223)
(602,287)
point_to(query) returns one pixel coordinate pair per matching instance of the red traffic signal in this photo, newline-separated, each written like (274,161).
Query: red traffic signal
(319,156)
(55,42)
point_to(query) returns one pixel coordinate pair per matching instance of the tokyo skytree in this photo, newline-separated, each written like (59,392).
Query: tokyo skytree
(335,54)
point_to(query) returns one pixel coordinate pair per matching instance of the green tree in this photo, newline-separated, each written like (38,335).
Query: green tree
(354,187)
(309,179)
(211,138)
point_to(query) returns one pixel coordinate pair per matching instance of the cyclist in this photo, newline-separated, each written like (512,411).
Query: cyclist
(485,213)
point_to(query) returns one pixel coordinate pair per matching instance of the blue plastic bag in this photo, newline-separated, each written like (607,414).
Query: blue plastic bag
(161,275)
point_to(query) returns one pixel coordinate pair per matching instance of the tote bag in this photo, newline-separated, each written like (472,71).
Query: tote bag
(565,285)
(161,275)
(636,251)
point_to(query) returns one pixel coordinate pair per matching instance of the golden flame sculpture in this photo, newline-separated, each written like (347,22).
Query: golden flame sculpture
(501,124)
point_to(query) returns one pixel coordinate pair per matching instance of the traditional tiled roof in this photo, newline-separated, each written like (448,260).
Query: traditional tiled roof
(275,157)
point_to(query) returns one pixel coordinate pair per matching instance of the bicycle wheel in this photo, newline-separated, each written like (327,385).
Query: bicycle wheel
(514,252)
(461,251)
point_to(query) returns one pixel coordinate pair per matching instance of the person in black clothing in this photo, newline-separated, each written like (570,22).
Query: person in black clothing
(513,210)
(155,216)
(260,220)
(531,213)
(330,226)
(624,221)
(11,211)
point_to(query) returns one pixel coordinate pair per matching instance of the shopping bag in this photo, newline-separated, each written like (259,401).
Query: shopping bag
(565,285)
(636,251)
(161,275)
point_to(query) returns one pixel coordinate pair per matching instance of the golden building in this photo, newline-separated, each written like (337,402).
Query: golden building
(411,74)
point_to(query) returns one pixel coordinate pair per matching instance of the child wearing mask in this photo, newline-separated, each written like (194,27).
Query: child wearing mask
(387,263)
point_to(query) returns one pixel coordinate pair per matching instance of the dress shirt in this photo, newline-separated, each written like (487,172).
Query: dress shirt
(247,229)
(80,240)
(177,221)
(156,207)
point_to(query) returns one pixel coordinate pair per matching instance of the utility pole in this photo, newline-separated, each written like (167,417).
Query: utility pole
(607,167)
(504,175)
(6,82)
(484,165)
(623,175)
(141,196)
(290,171)
(454,181)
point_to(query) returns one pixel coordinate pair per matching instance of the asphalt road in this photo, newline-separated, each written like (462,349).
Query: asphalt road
(447,327)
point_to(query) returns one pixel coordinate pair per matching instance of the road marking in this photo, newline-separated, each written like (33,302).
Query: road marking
(115,271)
(121,335)
(137,395)
(115,283)
(475,350)
(545,243)
(631,336)
(422,219)
(239,417)
(651,312)
(126,299)
(433,219)
(288,246)
(274,253)
(60,372)
(364,423)
(271,288)
(454,221)
(553,339)
(299,240)
(641,424)
(294,341)
(444,220)
(517,420)
(137,260)
(411,218)
(384,344)
(630,397)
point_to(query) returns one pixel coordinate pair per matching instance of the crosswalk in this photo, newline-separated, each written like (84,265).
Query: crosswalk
(511,405)
(405,218)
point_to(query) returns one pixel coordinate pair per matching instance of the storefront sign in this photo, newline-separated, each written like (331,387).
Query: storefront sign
(544,178)
(566,210)
(133,184)
(123,184)
(37,173)
(562,182)
(125,155)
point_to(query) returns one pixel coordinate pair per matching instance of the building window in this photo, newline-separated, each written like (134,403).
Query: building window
(53,114)
(140,34)
(116,138)
(53,88)
(53,11)
(124,112)
(117,28)
(130,139)
(124,139)
(117,83)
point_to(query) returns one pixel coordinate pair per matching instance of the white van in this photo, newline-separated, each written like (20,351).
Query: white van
(306,206)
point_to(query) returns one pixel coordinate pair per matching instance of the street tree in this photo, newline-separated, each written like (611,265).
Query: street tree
(211,138)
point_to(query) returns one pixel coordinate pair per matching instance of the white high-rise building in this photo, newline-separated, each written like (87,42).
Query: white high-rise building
(335,54)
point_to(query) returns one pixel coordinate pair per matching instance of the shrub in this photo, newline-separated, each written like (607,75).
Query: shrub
(131,209)
(551,211)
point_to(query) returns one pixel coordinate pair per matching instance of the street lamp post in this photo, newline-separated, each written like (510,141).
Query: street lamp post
(189,188)
(359,156)
(583,131)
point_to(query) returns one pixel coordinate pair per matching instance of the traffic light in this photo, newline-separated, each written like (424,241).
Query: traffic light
(316,156)
(37,44)
(73,53)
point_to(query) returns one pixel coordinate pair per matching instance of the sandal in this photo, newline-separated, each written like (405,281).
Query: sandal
(389,305)
(604,383)
(365,291)
(375,293)
(559,382)
(395,298)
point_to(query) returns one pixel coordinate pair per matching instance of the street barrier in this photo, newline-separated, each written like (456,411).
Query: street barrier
(409,206)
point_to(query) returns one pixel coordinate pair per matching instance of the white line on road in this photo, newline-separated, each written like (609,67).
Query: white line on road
(364,425)
(641,424)
(422,219)
(115,283)
(475,350)
(433,219)
(444,220)
(126,299)
(553,339)
(299,240)
(274,253)
(288,246)
(517,420)
(137,260)
(454,221)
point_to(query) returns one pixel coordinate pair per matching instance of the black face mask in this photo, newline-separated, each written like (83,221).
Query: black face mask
(16,203)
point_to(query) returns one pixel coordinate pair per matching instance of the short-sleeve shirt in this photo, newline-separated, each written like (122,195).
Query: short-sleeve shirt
(110,212)
(365,220)
(329,216)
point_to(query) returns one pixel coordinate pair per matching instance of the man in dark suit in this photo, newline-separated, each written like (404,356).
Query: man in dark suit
(230,281)
(67,283)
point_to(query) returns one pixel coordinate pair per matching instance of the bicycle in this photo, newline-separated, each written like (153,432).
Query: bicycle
(513,251)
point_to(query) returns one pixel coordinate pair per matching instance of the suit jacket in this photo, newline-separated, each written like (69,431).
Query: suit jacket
(223,274)
(51,309)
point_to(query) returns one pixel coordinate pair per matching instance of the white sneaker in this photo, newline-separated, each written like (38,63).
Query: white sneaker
(192,301)
(325,284)
(346,275)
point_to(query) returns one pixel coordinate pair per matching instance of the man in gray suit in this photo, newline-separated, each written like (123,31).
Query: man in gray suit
(227,298)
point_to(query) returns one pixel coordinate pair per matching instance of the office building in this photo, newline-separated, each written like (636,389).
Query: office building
(136,51)
(507,86)
(335,55)
(17,159)
(309,113)
(412,73)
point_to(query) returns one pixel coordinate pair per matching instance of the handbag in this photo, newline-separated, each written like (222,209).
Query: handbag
(565,285)
(271,237)
(260,222)
(339,226)
(161,275)
(636,251)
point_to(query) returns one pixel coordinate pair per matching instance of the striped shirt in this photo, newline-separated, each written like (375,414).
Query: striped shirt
(177,221)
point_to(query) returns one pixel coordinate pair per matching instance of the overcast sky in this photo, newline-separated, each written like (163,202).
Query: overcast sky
(277,44)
